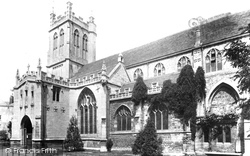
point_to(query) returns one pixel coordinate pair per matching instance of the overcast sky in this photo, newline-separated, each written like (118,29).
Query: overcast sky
(121,25)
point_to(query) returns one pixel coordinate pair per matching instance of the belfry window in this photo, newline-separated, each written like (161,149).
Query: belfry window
(159,115)
(213,60)
(55,38)
(84,46)
(182,62)
(76,38)
(87,112)
(159,69)
(138,72)
(61,38)
(123,118)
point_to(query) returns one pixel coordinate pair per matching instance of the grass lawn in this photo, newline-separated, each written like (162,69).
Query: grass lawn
(98,153)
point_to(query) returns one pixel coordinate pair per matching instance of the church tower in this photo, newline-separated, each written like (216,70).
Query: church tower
(72,43)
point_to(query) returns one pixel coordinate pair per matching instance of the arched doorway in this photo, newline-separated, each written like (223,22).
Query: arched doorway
(26,132)
(223,101)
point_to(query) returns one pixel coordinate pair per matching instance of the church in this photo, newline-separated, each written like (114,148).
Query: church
(98,92)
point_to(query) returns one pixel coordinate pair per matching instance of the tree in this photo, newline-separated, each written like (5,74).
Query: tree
(3,135)
(181,97)
(238,53)
(139,94)
(73,138)
(139,141)
(9,126)
(153,144)
(200,83)
(147,142)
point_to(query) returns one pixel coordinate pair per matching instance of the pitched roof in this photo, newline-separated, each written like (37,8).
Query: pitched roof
(224,27)
(213,31)
(96,67)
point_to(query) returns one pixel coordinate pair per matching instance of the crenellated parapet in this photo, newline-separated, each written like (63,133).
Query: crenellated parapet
(29,75)
(85,81)
(70,15)
(38,76)
(50,78)
(127,93)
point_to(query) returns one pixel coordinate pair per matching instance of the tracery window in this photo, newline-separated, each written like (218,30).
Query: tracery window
(123,118)
(159,69)
(76,38)
(213,60)
(224,134)
(55,38)
(159,115)
(138,72)
(182,62)
(87,112)
(61,38)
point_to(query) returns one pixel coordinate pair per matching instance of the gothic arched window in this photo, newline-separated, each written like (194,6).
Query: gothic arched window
(182,62)
(213,60)
(55,37)
(123,118)
(159,69)
(159,115)
(76,38)
(61,38)
(85,45)
(87,110)
(138,72)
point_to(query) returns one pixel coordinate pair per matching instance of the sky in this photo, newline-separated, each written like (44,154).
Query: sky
(121,25)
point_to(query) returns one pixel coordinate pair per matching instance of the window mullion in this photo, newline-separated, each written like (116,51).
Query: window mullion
(161,120)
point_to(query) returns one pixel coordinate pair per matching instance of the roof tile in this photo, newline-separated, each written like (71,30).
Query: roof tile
(213,31)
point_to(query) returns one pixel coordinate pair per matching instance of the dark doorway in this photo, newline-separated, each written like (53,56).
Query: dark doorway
(26,130)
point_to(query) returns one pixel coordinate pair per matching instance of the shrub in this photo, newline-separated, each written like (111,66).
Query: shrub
(147,143)
(109,144)
(137,146)
(152,145)
(73,139)
(3,135)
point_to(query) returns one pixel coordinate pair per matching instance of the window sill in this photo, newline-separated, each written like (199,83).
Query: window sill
(170,131)
(220,143)
(224,143)
(89,136)
(122,132)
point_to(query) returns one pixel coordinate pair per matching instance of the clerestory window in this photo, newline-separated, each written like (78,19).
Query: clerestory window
(182,62)
(159,69)
(138,72)
(213,60)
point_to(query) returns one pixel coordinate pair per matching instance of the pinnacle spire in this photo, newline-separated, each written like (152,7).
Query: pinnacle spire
(17,73)
(39,63)
(104,68)
(28,68)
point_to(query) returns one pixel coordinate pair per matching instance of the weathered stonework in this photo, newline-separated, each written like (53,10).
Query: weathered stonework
(45,102)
